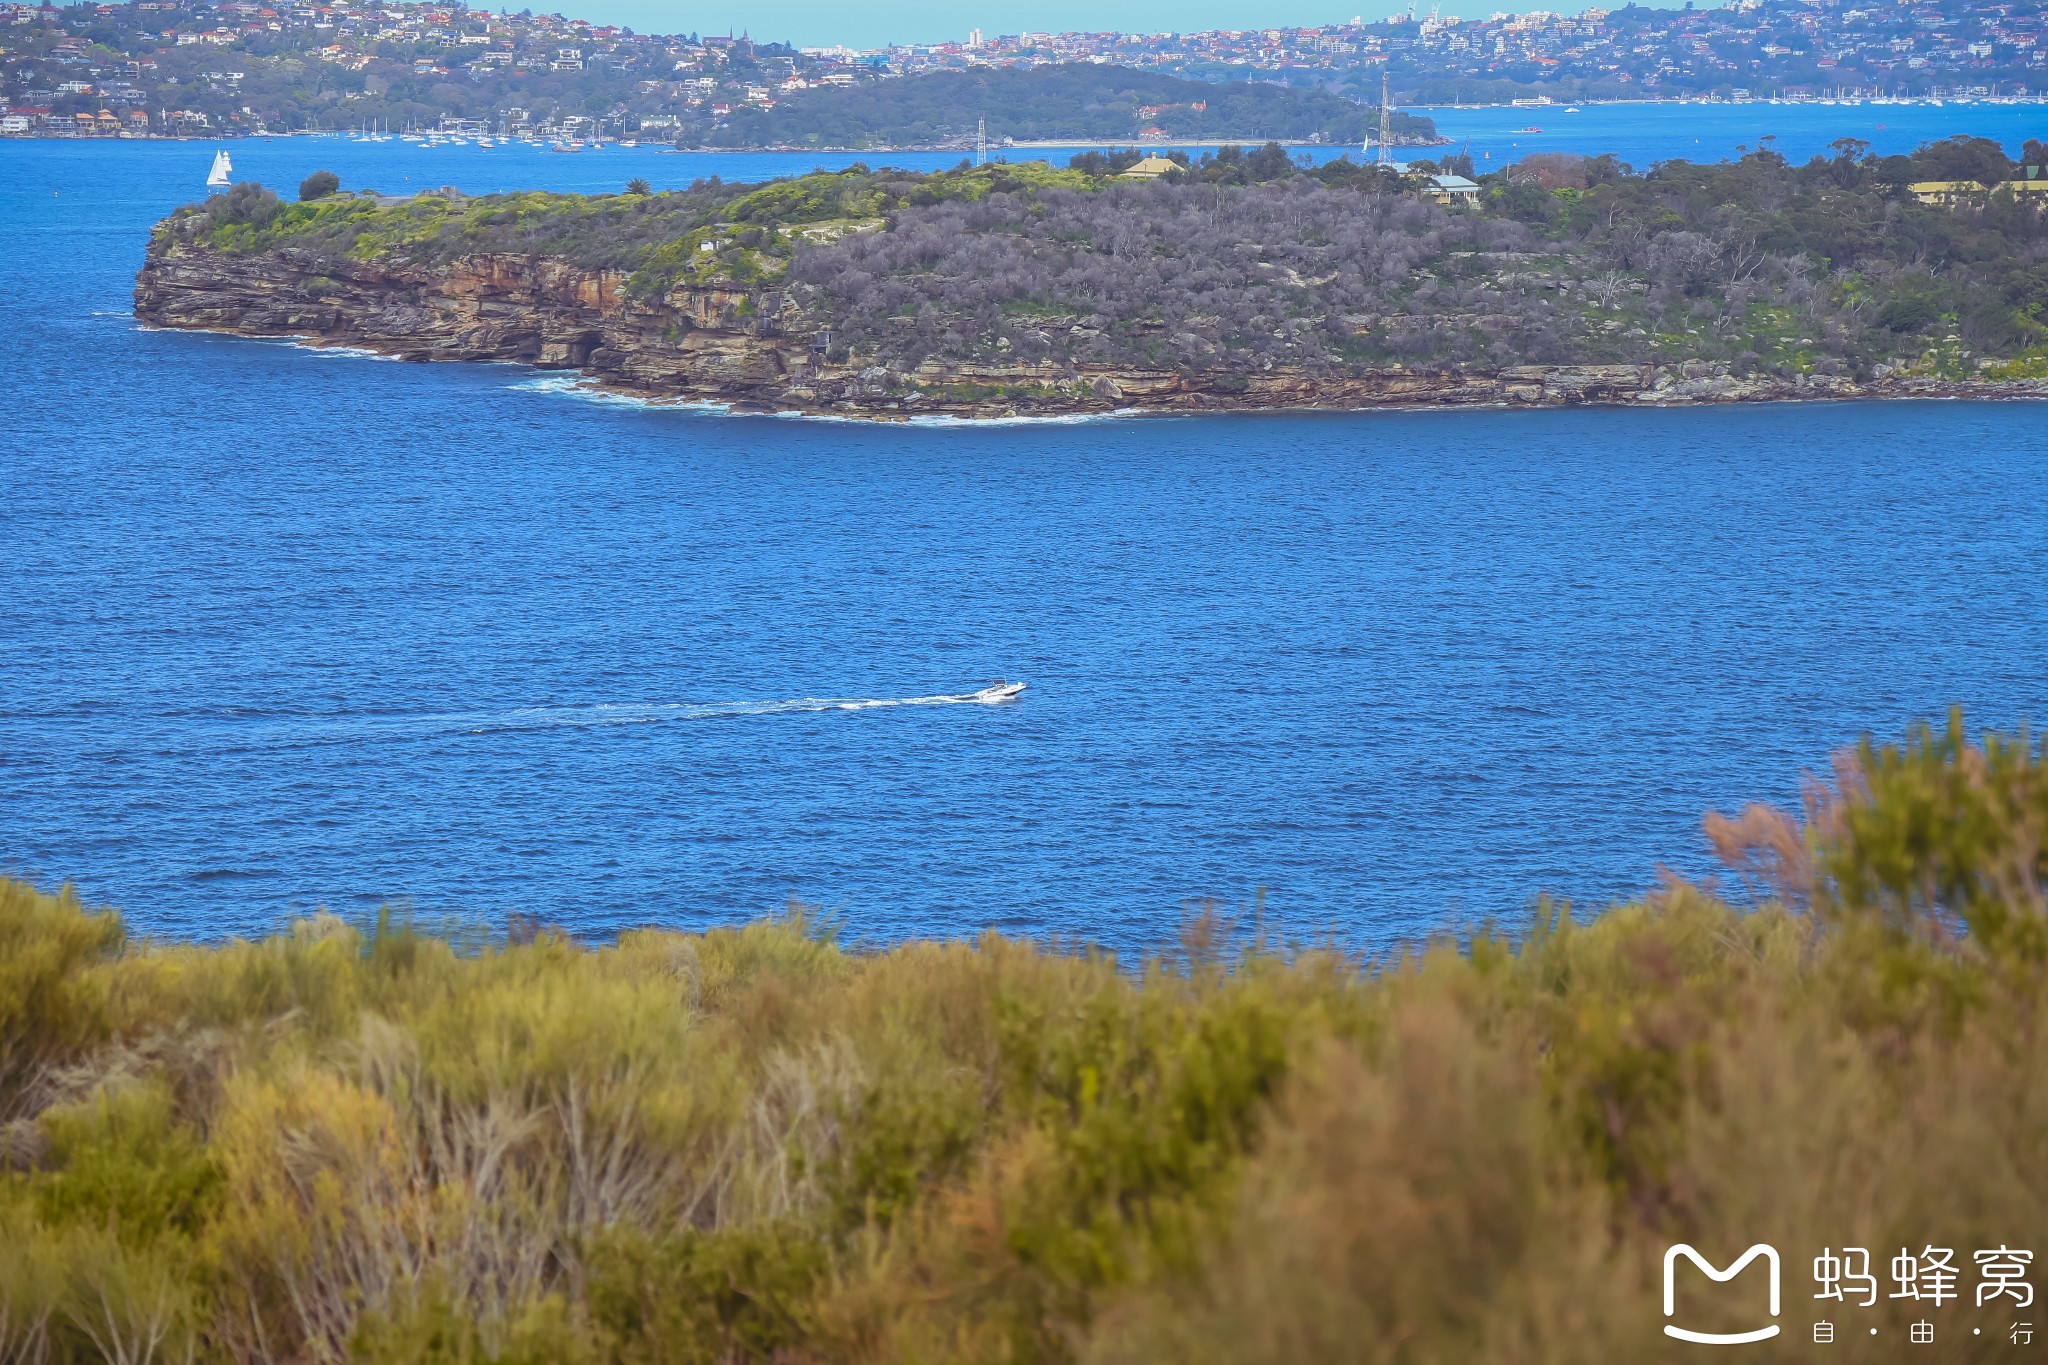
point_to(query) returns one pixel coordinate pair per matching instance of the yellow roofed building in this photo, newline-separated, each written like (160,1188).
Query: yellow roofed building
(1947,193)
(1151,168)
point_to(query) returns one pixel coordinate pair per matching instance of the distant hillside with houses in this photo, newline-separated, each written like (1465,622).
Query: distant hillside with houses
(234,67)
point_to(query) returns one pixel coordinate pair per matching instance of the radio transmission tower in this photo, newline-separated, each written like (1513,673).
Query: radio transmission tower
(1386,156)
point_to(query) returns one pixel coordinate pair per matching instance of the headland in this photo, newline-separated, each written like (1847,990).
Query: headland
(1237,282)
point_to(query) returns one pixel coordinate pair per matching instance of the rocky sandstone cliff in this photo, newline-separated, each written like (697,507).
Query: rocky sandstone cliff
(747,347)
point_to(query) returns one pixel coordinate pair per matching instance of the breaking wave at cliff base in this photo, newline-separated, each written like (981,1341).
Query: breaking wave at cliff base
(589,391)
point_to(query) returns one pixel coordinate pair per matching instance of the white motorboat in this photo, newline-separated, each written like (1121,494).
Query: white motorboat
(1000,691)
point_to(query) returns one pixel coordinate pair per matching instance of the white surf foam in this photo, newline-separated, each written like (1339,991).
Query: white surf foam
(577,387)
(583,390)
(1063,419)
(343,352)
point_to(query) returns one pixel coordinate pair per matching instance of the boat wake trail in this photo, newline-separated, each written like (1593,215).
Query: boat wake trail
(303,731)
(556,717)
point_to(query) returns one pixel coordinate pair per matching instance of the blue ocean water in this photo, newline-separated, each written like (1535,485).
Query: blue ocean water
(1644,134)
(283,628)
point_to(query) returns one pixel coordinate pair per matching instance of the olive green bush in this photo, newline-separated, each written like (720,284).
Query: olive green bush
(319,185)
(754,1144)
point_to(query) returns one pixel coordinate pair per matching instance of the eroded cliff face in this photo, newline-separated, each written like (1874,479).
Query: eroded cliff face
(693,343)
(750,348)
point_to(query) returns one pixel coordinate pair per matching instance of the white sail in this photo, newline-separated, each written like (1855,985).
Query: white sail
(222,169)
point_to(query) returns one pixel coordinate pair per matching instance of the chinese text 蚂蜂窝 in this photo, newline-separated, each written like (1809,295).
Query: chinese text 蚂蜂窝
(1929,1275)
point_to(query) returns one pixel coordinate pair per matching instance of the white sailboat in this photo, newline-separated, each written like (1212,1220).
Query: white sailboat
(222,169)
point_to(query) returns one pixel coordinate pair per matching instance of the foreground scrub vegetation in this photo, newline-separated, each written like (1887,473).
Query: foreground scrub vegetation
(755,1144)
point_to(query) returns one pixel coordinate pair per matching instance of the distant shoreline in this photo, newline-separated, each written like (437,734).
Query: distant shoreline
(778,148)
(1039,144)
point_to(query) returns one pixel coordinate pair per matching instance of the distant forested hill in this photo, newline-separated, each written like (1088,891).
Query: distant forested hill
(1081,101)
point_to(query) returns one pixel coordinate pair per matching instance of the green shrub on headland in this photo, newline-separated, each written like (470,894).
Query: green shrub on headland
(756,1145)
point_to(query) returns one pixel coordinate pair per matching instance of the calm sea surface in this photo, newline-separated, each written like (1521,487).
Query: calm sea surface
(282,628)
(1644,134)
